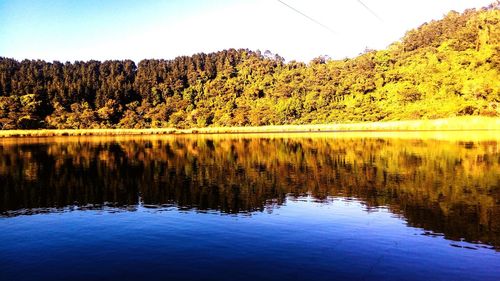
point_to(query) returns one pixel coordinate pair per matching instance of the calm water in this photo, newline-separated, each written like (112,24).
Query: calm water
(282,207)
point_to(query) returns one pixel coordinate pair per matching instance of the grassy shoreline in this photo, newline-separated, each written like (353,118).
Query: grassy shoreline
(465,123)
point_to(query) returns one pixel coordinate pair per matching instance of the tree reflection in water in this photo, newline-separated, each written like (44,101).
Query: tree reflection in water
(448,187)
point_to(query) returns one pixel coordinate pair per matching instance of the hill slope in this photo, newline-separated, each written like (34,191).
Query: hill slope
(444,68)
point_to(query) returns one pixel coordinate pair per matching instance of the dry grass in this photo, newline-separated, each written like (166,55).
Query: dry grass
(466,123)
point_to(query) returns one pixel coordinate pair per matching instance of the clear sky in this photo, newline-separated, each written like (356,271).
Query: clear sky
(68,30)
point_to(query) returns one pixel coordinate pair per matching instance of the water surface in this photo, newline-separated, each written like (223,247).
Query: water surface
(251,207)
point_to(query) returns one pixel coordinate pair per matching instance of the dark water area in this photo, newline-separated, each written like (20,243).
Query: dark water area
(246,207)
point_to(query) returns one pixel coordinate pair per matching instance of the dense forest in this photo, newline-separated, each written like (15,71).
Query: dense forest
(444,68)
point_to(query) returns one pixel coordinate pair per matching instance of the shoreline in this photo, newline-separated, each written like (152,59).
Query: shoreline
(465,123)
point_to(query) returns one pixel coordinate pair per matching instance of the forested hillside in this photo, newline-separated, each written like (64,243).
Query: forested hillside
(443,68)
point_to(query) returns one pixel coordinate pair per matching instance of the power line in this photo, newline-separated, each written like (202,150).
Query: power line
(308,17)
(370,10)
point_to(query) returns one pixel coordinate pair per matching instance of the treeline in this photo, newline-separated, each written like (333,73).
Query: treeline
(442,69)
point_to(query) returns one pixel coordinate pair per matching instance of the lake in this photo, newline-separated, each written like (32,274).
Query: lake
(315,206)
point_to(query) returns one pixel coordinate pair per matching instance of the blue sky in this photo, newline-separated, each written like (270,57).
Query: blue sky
(69,30)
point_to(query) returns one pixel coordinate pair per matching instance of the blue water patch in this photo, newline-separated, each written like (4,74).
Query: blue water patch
(300,240)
